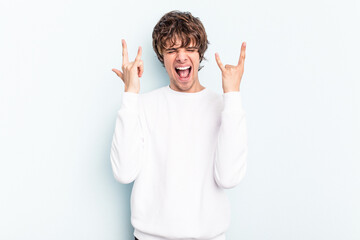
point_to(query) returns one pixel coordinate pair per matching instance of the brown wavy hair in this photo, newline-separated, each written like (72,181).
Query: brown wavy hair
(179,25)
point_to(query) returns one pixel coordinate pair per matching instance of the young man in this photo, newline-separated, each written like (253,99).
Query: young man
(182,144)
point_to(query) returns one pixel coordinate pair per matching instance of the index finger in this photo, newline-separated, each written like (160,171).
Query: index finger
(242,54)
(218,61)
(124,52)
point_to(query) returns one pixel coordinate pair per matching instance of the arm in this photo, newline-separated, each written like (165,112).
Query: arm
(128,140)
(231,150)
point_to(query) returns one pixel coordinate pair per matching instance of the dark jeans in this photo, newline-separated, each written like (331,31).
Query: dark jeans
(136,238)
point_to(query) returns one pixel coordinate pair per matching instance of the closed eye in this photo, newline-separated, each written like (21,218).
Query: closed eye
(171,50)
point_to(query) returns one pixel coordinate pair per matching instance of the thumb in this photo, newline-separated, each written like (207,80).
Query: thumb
(119,73)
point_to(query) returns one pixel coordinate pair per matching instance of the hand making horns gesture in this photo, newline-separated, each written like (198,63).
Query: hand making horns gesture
(231,75)
(132,71)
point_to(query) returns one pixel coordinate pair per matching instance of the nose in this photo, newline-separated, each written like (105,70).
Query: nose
(181,56)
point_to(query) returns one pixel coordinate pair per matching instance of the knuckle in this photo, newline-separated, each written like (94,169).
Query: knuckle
(127,67)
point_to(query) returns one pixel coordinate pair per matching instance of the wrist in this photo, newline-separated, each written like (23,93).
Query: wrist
(132,89)
(226,90)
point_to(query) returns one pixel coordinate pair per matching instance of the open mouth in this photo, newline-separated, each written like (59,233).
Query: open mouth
(183,72)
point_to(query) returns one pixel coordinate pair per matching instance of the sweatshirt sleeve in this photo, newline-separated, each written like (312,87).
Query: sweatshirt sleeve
(128,140)
(231,149)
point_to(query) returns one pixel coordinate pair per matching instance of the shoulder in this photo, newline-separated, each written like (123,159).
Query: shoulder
(149,100)
(214,97)
(152,94)
(212,94)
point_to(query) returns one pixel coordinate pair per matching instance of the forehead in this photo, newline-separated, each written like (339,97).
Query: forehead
(177,42)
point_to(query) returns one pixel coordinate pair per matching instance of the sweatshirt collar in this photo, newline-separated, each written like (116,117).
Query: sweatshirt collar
(171,91)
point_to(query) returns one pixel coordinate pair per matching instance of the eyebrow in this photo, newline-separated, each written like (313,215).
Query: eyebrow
(174,49)
(171,49)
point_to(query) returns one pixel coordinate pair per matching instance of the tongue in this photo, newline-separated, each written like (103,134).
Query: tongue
(184,73)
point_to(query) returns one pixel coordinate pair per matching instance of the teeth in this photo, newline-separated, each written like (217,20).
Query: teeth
(182,68)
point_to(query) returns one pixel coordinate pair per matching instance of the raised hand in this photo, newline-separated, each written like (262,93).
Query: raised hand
(231,75)
(131,71)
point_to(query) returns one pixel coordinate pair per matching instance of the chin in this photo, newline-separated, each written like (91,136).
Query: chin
(182,85)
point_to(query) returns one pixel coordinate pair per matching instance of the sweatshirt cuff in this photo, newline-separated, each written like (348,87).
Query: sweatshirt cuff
(130,101)
(232,102)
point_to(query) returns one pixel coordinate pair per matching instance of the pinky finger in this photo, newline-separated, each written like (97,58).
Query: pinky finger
(242,54)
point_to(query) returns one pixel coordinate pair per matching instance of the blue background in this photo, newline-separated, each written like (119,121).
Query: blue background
(59,99)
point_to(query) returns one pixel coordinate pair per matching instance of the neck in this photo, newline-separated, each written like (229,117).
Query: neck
(195,87)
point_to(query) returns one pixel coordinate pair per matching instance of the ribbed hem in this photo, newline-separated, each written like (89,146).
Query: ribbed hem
(144,236)
(130,101)
(232,102)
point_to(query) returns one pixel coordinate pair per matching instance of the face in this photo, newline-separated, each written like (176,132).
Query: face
(182,66)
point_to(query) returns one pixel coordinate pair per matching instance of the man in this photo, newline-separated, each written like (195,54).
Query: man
(182,144)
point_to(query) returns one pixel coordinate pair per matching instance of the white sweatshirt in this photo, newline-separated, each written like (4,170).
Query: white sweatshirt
(182,150)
